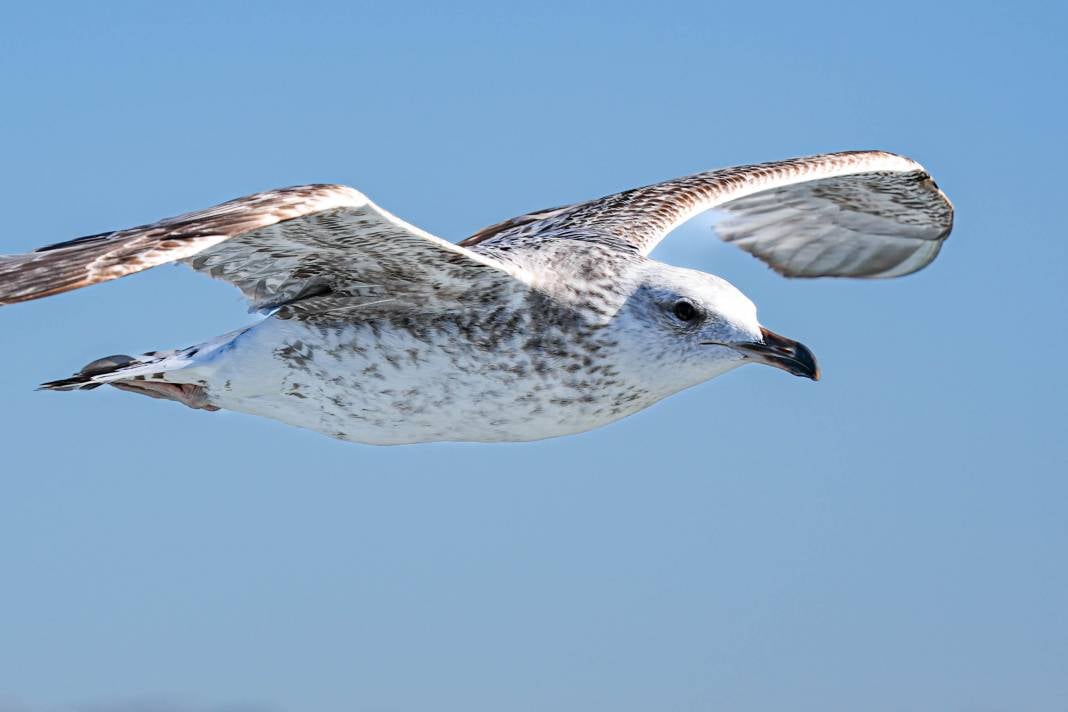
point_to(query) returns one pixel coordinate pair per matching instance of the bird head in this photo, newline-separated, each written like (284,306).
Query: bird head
(699,326)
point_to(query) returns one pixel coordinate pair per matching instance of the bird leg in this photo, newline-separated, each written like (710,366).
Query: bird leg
(187,394)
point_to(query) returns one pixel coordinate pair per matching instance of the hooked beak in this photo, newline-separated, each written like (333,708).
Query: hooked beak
(781,352)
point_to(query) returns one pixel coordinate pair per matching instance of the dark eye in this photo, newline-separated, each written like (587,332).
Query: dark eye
(684,310)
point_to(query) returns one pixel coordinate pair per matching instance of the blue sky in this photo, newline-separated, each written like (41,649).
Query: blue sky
(891,538)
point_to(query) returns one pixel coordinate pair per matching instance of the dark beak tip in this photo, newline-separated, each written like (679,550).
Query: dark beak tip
(806,357)
(807,364)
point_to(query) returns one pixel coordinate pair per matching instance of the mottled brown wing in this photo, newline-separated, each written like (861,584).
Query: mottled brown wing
(852,214)
(320,244)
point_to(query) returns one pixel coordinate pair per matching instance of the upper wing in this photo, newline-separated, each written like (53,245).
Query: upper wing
(324,245)
(852,214)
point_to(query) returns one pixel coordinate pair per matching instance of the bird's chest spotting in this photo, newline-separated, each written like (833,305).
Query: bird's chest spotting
(436,379)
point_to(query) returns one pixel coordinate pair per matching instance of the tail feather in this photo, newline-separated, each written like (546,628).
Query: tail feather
(152,366)
(107,369)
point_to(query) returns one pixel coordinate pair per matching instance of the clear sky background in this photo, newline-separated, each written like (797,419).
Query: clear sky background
(892,538)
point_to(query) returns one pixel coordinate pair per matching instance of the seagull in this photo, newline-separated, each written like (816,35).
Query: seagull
(548,324)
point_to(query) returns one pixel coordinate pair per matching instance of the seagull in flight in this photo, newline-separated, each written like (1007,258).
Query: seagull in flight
(547,324)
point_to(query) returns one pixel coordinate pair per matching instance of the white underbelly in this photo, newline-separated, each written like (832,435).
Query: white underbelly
(393,388)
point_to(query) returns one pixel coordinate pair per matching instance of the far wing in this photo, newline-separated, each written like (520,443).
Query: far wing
(852,214)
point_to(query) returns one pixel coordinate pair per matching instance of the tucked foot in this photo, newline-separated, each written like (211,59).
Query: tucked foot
(185,393)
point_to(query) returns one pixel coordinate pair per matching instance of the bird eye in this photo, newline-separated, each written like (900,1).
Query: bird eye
(684,310)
